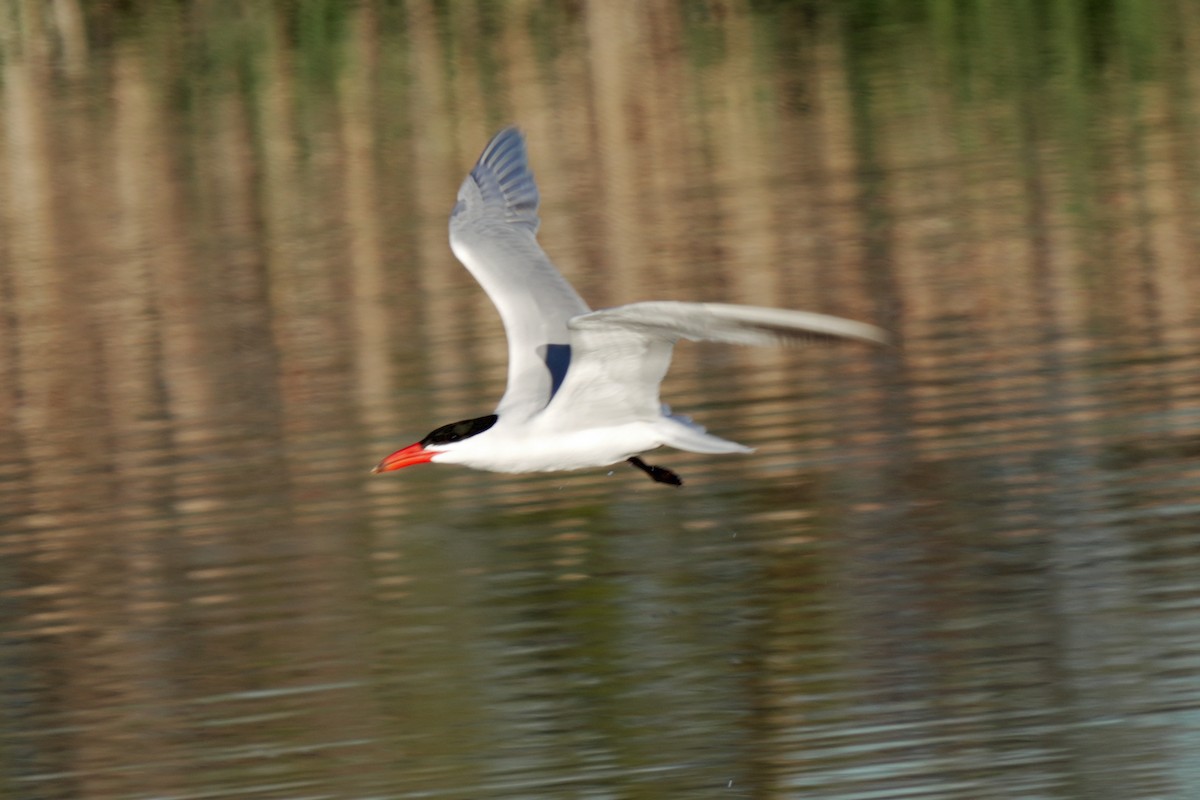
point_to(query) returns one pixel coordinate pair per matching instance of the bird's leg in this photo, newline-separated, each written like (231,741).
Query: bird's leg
(660,474)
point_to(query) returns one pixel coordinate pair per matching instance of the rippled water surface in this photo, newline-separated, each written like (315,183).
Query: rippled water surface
(965,567)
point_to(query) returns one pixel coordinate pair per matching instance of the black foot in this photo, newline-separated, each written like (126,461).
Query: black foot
(660,474)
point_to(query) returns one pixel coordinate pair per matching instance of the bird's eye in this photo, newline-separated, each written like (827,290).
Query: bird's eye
(457,431)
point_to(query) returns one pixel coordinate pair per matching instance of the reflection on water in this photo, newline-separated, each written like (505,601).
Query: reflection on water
(961,569)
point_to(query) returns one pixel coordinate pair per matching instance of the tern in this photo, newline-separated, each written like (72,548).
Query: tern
(583,385)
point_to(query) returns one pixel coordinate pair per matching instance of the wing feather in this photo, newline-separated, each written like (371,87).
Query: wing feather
(733,324)
(620,355)
(493,232)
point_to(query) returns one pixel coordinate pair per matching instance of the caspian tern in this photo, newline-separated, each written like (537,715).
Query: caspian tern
(583,385)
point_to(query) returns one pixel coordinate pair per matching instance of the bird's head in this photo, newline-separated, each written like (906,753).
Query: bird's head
(440,440)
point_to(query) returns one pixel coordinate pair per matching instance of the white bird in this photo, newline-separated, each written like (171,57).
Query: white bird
(583,385)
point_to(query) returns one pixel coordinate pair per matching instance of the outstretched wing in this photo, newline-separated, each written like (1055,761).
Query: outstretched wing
(621,354)
(493,232)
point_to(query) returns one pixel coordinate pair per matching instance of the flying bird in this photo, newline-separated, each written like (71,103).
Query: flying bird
(583,385)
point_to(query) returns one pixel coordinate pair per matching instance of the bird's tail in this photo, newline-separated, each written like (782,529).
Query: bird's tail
(681,433)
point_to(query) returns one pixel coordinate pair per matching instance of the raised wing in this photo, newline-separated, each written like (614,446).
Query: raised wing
(621,354)
(493,232)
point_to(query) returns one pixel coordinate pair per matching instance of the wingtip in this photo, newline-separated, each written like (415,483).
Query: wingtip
(508,136)
(504,181)
(880,337)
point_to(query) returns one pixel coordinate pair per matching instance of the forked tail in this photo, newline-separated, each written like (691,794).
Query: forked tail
(681,433)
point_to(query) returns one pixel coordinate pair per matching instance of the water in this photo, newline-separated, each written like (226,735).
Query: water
(961,568)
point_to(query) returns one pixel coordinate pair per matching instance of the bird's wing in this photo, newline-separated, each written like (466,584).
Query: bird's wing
(493,232)
(621,354)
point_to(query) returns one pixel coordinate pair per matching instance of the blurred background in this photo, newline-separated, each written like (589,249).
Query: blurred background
(966,568)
